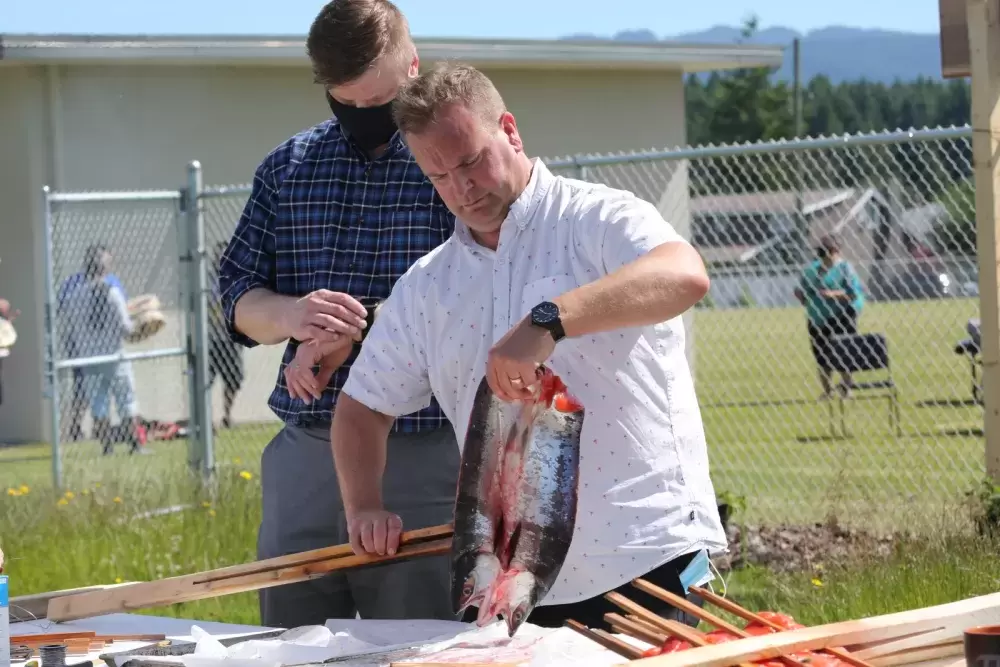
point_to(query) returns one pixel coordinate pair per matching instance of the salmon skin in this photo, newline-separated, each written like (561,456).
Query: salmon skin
(515,509)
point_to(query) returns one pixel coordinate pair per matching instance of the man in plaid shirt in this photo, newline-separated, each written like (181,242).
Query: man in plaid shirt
(337,214)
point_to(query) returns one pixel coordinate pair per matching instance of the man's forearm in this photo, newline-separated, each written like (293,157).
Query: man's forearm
(262,315)
(359,437)
(657,287)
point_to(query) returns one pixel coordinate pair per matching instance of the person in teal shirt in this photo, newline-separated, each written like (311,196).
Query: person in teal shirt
(833,295)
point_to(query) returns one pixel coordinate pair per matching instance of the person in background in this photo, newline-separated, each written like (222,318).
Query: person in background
(225,356)
(8,313)
(100,325)
(337,213)
(833,296)
(78,394)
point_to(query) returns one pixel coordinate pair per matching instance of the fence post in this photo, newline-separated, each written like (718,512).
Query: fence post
(51,372)
(202,454)
(984,43)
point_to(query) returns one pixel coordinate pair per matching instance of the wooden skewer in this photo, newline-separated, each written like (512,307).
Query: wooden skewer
(265,574)
(51,638)
(673,628)
(59,637)
(639,631)
(747,615)
(636,619)
(701,614)
(606,640)
(410,537)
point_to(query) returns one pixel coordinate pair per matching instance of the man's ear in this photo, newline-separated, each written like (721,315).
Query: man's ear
(509,126)
(414,66)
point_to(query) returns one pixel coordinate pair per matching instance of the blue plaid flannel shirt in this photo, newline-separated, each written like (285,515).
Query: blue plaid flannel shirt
(322,215)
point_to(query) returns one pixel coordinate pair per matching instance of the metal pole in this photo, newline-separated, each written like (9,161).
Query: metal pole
(802,229)
(202,419)
(51,371)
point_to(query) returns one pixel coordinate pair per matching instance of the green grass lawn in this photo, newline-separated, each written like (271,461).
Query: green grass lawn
(96,536)
(778,455)
(769,438)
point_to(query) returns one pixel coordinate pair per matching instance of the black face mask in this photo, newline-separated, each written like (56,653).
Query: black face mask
(370,127)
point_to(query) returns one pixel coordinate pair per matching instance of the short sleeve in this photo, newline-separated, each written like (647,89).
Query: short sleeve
(117,297)
(390,373)
(624,228)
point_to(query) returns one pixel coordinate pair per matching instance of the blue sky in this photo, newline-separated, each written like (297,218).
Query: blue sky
(463,18)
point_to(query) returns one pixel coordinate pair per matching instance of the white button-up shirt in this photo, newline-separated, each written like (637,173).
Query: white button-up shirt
(645,492)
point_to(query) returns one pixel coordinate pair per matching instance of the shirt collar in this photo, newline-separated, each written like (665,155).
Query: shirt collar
(521,211)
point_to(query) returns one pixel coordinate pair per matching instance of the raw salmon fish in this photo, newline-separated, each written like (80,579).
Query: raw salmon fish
(515,509)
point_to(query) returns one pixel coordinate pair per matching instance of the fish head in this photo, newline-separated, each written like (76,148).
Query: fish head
(521,593)
(473,574)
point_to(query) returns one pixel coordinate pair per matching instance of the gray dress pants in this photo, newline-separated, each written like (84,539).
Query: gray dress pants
(302,510)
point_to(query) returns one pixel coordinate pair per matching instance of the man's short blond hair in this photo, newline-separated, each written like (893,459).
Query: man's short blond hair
(421,100)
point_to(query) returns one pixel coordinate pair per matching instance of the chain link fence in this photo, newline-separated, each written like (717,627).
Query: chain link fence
(116,334)
(899,444)
(896,441)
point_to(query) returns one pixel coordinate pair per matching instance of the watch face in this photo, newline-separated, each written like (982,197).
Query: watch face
(546,313)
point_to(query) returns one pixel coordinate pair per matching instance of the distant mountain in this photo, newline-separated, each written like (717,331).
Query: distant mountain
(840,53)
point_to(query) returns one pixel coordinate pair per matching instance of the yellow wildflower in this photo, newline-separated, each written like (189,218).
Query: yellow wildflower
(69,495)
(246,474)
(817,583)
(63,502)
(117,499)
(24,488)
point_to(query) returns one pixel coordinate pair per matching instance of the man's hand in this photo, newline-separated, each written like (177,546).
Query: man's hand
(512,364)
(374,532)
(324,316)
(299,377)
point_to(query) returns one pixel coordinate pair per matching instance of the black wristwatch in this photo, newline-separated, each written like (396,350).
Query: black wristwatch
(546,316)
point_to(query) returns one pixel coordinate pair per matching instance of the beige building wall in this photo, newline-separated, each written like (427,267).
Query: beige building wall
(133,127)
(23,168)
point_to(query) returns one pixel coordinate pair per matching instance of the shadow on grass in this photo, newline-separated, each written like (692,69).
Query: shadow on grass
(26,459)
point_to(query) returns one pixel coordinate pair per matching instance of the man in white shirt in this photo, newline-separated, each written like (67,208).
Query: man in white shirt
(589,280)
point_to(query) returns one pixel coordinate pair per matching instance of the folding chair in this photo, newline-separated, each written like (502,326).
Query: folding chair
(971,349)
(860,353)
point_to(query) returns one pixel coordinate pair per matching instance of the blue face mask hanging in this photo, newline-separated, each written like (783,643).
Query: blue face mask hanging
(698,572)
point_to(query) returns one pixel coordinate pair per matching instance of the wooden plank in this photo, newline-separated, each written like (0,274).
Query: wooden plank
(35,606)
(938,651)
(202,585)
(954,39)
(956,616)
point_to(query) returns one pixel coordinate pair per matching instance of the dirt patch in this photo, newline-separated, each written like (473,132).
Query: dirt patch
(800,548)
